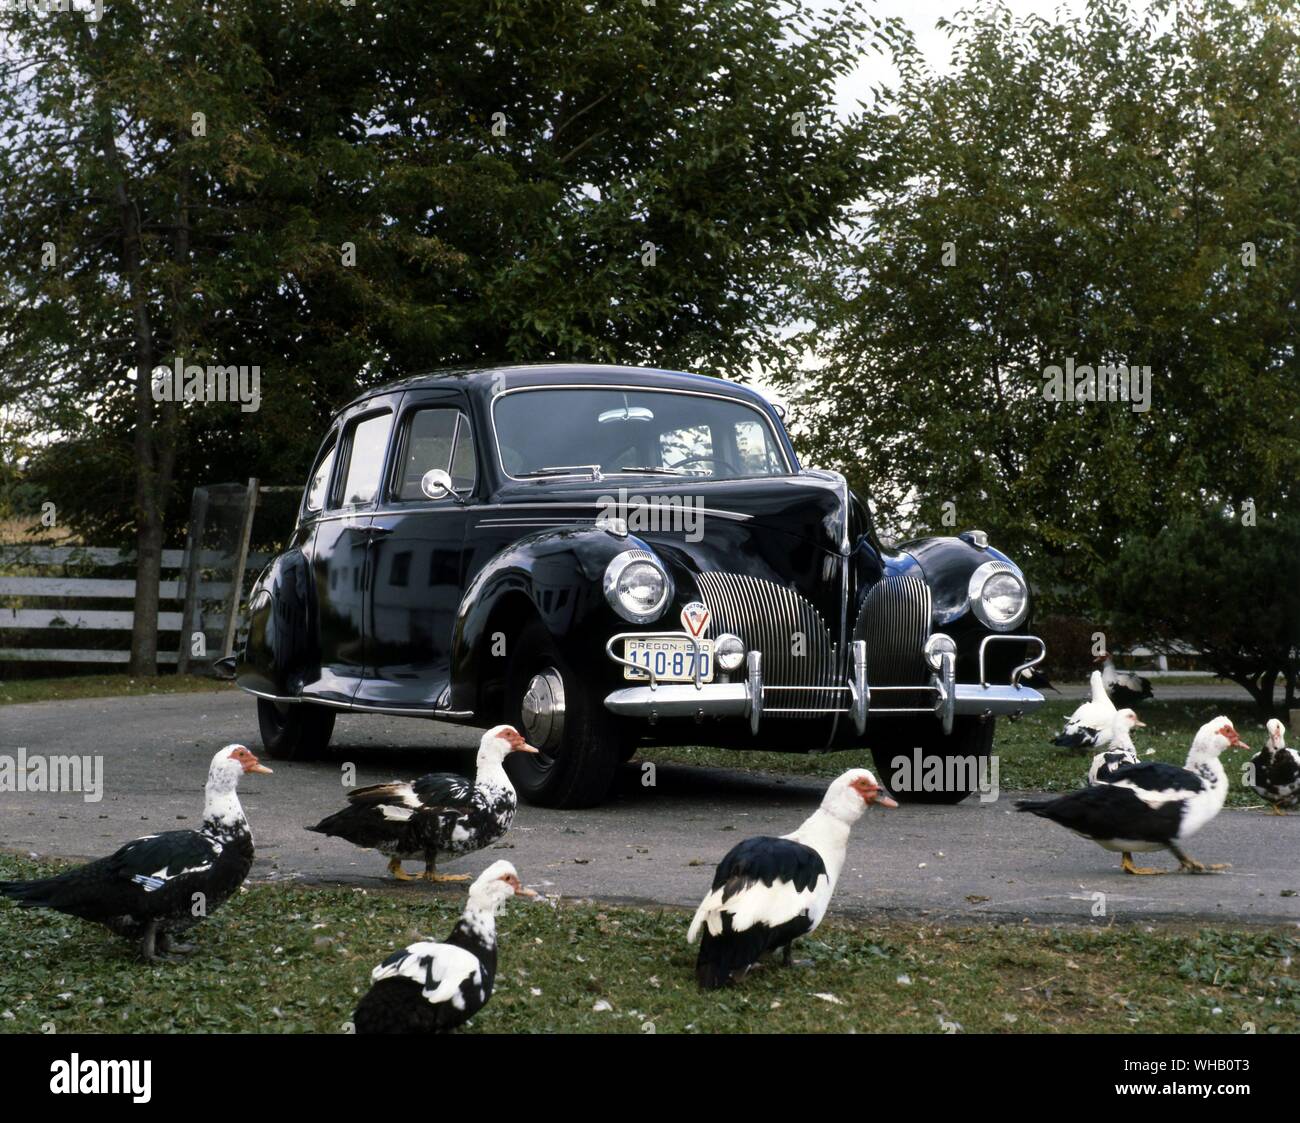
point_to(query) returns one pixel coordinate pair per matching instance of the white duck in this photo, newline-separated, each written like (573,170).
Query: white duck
(1092,725)
(1122,751)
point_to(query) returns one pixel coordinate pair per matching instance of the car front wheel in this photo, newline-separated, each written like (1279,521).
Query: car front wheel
(580,746)
(294,731)
(921,765)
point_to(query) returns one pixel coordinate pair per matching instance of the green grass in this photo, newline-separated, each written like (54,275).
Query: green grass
(1027,760)
(13,691)
(289,959)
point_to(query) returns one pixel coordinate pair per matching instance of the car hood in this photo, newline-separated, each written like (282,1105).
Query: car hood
(812,506)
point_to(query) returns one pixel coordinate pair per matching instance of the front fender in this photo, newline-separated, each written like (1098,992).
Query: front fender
(283,647)
(556,575)
(947,564)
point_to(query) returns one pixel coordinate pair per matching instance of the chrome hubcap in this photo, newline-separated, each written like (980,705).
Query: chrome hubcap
(543,709)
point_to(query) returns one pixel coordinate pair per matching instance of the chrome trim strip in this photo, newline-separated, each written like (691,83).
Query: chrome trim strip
(358,707)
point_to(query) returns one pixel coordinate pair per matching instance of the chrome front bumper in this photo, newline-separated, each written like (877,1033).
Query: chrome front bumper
(751,697)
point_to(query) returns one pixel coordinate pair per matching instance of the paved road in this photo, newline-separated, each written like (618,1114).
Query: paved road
(655,844)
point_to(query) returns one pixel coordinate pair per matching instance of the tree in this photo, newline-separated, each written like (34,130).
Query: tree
(339,195)
(1251,572)
(1117,189)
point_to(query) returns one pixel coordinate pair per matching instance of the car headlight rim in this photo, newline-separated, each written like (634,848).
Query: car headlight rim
(729,651)
(629,564)
(998,596)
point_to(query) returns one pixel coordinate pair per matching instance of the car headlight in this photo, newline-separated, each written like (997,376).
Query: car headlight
(998,596)
(637,586)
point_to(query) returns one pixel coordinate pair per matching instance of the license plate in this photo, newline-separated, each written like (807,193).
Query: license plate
(672,660)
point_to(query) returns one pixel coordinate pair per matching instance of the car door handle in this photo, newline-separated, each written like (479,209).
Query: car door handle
(376,531)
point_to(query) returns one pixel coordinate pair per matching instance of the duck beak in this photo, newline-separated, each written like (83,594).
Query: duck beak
(523,747)
(523,890)
(879,796)
(1139,725)
(259,767)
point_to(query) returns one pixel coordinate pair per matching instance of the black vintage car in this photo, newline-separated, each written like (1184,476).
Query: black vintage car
(609,556)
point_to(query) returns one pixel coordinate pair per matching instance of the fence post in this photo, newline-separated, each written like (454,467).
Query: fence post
(190,575)
(237,570)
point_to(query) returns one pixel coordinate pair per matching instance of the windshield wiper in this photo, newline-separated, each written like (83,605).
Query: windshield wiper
(592,470)
(653,470)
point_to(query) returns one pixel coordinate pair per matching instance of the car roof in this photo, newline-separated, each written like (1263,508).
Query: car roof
(485,379)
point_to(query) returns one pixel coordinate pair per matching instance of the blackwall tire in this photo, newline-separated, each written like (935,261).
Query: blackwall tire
(971,740)
(294,731)
(580,757)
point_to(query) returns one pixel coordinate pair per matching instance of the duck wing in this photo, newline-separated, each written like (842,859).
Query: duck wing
(410,817)
(146,877)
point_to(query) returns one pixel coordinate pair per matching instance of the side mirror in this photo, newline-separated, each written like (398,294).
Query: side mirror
(436,484)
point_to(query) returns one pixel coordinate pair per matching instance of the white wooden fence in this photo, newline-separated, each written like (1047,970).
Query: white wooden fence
(52,581)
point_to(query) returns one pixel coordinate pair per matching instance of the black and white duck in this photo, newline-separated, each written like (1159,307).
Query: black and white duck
(1122,751)
(429,987)
(1275,770)
(1124,688)
(1152,806)
(156,887)
(1092,725)
(767,891)
(438,815)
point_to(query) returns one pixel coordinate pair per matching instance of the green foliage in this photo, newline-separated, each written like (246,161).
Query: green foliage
(1096,180)
(325,124)
(1230,590)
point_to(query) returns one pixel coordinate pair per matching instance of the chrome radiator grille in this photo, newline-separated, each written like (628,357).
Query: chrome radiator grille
(770,618)
(895,622)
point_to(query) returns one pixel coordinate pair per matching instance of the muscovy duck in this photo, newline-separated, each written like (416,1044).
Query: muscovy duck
(769,891)
(438,814)
(1151,806)
(1124,688)
(156,887)
(431,988)
(1122,751)
(1092,725)
(1275,770)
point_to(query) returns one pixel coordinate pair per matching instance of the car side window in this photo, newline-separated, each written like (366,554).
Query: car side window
(437,437)
(368,440)
(320,479)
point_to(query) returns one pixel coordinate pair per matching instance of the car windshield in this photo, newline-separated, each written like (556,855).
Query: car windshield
(554,431)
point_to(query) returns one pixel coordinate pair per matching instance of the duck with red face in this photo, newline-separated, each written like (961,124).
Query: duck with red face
(440,814)
(148,890)
(767,892)
(1152,806)
(433,987)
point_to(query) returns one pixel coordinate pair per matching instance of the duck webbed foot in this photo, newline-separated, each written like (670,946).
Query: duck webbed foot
(1126,864)
(1191,865)
(395,868)
(431,874)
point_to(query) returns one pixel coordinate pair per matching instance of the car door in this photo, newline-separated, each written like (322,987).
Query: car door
(341,548)
(417,562)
